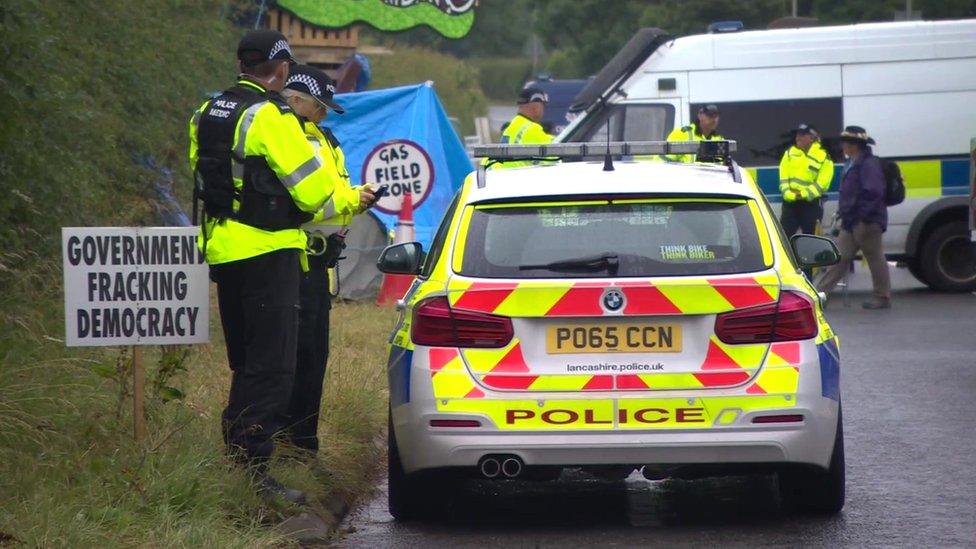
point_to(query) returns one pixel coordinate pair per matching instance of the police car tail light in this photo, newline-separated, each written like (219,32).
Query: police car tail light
(789,320)
(436,324)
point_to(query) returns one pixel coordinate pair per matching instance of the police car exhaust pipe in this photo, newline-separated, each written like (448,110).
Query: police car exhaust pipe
(490,467)
(512,467)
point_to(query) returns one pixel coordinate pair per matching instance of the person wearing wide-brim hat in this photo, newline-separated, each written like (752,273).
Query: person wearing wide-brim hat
(863,216)
(310,92)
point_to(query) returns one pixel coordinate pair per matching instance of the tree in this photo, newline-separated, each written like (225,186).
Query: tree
(856,11)
(582,35)
(683,17)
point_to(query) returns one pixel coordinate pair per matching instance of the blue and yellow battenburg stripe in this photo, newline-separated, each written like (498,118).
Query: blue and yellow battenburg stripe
(930,178)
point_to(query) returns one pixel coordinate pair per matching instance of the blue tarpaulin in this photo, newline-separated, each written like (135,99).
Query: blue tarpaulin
(403,138)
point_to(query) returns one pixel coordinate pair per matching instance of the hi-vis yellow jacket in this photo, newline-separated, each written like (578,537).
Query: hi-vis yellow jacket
(689,133)
(338,211)
(805,176)
(264,130)
(523,131)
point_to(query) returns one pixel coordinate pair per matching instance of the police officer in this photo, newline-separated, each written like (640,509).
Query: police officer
(259,180)
(805,173)
(526,127)
(310,92)
(705,129)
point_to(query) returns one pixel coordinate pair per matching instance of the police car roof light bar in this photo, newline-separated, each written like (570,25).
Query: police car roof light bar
(704,149)
(718,151)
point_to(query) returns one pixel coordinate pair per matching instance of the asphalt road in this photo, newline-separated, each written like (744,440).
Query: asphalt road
(909,389)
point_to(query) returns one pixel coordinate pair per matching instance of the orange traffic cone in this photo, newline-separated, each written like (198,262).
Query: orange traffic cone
(396,285)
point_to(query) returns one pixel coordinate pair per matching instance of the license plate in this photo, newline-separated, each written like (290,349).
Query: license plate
(635,337)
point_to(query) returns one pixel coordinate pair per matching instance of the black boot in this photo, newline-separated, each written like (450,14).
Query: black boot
(269,486)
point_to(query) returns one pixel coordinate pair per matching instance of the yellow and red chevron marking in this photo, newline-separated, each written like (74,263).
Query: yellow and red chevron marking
(506,369)
(723,366)
(575,299)
(449,376)
(781,372)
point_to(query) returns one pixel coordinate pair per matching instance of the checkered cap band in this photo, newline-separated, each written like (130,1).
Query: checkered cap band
(309,82)
(278,47)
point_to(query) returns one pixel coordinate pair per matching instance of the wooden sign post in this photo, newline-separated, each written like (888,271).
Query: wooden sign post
(134,286)
(138,388)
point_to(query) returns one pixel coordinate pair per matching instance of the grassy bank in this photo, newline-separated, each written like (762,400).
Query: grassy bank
(72,476)
(95,96)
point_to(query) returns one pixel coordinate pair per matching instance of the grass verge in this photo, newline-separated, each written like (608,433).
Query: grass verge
(72,476)
(95,96)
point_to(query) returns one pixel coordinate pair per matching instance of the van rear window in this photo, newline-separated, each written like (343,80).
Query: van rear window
(628,238)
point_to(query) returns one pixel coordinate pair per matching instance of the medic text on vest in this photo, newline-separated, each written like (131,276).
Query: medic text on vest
(401,171)
(221,108)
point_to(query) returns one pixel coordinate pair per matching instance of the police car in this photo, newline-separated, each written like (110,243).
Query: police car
(612,315)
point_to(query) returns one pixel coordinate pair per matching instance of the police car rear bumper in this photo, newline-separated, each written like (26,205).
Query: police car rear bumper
(810,441)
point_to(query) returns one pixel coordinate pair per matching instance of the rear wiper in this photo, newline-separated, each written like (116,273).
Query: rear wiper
(608,262)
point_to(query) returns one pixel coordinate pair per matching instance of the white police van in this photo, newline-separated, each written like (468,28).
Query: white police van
(911,84)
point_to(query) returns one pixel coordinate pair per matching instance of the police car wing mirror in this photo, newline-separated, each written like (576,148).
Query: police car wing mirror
(814,251)
(405,258)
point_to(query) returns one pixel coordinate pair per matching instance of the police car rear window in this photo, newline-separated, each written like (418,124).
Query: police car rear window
(623,238)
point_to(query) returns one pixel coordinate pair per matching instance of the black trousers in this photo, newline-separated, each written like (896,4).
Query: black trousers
(313,353)
(802,215)
(258,299)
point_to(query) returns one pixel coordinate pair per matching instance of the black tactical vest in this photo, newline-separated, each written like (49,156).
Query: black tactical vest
(264,200)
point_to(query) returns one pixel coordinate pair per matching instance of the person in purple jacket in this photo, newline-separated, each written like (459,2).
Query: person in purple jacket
(863,215)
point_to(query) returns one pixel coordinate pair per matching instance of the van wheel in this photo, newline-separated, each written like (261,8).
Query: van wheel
(817,491)
(948,258)
(411,497)
(916,270)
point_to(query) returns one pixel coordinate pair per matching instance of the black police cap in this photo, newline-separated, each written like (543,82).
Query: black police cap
(806,129)
(531,95)
(710,109)
(259,46)
(315,82)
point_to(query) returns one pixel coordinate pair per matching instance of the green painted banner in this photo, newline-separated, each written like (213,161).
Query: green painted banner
(451,18)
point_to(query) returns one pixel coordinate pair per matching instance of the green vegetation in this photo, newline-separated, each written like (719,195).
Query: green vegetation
(501,78)
(72,476)
(578,37)
(456,82)
(582,35)
(89,90)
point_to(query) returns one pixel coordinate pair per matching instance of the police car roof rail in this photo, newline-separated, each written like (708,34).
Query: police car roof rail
(717,151)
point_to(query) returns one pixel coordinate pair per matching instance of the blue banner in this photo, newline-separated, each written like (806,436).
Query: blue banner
(401,137)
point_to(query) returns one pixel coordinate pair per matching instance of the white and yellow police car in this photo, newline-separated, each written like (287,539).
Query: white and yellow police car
(612,316)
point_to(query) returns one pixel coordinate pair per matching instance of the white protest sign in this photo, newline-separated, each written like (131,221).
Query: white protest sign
(134,286)
(403,165)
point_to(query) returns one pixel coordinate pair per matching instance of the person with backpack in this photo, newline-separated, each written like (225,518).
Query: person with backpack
(863,213)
